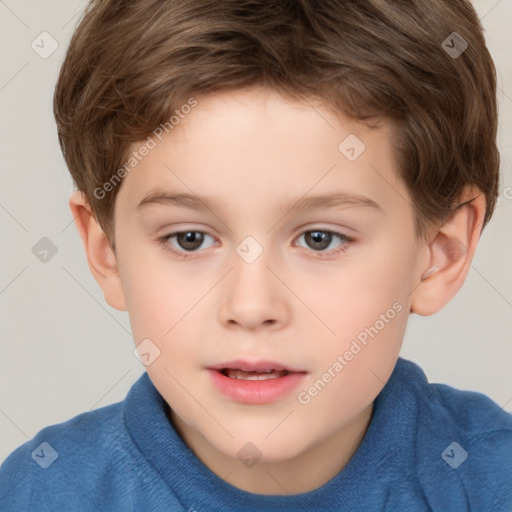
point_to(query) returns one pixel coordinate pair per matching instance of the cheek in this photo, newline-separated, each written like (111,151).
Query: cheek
(171,310)
(369,327)
(156,298)
(366,307)
(351,371)
(355,297)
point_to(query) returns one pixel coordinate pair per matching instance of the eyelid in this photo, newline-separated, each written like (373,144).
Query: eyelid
(345,239)
(164,240)
(346,242)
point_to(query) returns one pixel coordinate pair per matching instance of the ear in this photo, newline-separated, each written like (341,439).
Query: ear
(100,256)
(452,247)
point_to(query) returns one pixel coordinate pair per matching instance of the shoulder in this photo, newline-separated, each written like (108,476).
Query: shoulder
(468,412)
(462,445)
(43,468)
(77,465)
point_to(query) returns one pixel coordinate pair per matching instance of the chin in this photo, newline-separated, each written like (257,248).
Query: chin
(274,449)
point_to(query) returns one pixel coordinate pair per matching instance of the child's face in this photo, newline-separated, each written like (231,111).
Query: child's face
(290,293)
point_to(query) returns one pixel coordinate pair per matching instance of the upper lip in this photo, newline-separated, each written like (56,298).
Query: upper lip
(254,366)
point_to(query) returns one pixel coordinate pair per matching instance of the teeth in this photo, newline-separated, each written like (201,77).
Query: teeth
(265,375)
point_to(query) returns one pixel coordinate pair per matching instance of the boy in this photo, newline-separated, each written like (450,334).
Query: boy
(337,162)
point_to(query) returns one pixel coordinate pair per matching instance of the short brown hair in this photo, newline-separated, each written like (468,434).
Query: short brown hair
(132,63)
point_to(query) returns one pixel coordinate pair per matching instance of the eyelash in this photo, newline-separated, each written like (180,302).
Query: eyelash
(164,242)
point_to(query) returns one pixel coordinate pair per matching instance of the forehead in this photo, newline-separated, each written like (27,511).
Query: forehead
(245,146)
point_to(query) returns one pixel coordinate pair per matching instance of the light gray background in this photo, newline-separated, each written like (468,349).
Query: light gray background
(65,351)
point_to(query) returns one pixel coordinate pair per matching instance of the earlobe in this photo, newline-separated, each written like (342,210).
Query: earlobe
(100,256)
(451,251)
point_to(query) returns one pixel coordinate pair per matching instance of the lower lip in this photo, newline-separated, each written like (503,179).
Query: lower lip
(256,391)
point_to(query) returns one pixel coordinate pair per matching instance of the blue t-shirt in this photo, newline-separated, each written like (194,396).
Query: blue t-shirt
(429,447)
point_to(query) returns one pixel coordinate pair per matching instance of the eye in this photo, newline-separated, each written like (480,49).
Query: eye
(183,242)
(320,239)
(324,242)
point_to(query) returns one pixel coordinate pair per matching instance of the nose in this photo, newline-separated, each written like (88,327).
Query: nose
(253,298)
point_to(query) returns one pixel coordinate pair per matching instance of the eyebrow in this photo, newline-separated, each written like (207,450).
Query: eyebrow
(305,203)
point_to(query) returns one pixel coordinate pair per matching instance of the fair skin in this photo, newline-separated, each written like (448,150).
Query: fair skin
(253,154)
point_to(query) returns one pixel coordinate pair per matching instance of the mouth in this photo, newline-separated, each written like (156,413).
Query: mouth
(259,382)
(243,375)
